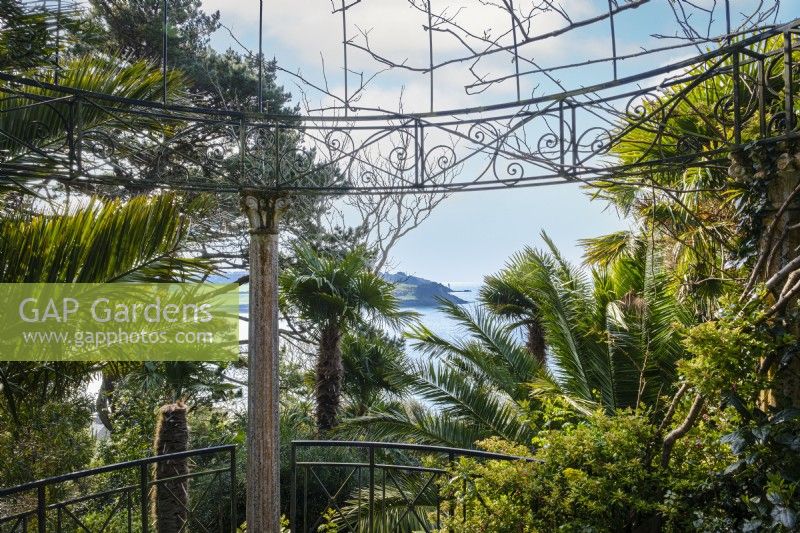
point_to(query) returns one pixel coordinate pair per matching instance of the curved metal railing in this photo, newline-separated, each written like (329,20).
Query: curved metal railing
(360,486)
(87,501)
(374,486)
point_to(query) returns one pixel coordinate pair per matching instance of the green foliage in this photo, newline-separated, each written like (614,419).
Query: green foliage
(592,473)
(706,224)
(24,41)
(725,355)
(132,438)
(134,407)
(217,79)
(472,388)
(34,126)
(329,524)
(590,476)
(373,365)
(705,219)
(612,338)
(284,526)
(136,27)
(756,489)
(137,240)
(197,383)
(336,294)
(610,332)
(766,475)
(46,439)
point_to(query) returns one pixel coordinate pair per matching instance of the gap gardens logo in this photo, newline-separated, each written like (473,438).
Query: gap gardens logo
(121,321)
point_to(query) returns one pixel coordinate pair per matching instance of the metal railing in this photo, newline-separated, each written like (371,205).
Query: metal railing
(375,486)
(117,497)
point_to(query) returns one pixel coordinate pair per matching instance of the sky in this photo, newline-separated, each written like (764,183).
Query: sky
(470,234)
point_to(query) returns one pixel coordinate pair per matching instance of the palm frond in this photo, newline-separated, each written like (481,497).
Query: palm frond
(39,121)
(106,241)
(413,422)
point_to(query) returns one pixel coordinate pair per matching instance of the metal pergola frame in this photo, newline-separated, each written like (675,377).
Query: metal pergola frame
(422,152)
(266,158)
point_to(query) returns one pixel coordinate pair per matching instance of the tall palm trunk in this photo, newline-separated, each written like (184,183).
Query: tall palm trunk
(329,377)
(535,341)
(171,498)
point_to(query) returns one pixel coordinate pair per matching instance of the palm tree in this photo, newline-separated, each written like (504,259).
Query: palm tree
(105,241)
(506,295)
(694,210)
(137,240)
(470,388)
(611,332)
(335,294)
(611,344)
(170,499)
(373,364)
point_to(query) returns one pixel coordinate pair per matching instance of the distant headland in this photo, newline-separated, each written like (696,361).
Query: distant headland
(414,291)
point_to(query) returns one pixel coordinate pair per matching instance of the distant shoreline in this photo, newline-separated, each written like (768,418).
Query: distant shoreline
(413,291)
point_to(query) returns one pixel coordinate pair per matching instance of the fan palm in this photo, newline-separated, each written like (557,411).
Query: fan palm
(692,209)
(335,294)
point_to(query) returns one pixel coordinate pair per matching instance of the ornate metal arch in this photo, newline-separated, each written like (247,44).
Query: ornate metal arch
(568,136)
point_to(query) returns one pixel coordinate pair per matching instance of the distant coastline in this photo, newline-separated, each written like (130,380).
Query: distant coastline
(414,291)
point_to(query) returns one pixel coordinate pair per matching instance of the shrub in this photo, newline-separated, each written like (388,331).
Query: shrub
(47,440)
(591,476)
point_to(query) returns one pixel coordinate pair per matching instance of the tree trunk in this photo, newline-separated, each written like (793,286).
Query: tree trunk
(329,378)
(787,386)
(171,498)
(263,211)
(535,342)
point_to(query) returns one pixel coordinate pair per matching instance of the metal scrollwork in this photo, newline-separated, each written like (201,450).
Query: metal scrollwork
(546,138)
(725,111)
(549,146)
(595,141)
(294,163)
(439,160)
(483,133)
(403,156)
(99,144)
(339,143)
(216,153)
(646,110)
(170,168)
